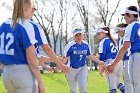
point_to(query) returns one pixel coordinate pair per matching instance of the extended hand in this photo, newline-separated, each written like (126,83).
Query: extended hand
(101,69)
(109,68)
(63,59)
(64,68)
(49,69)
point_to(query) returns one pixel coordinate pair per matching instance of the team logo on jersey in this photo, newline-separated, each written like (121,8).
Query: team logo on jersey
(74,47)
(139,32)
(81,52)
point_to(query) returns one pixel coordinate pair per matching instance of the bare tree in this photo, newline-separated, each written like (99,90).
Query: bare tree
(104,14)
(138,1)
(49,21)
(83,12)
(40,16)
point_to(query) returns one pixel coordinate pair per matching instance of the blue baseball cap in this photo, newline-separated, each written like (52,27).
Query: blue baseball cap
(76,31)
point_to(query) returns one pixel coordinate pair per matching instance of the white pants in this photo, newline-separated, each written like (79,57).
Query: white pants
(119,73)
(112,78)
(78,77)
(126,77)
(19,79)
(134,72)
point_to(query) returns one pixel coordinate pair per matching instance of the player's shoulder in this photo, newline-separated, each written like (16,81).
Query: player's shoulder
(6,25)
(71,43)
(130,26)
(26,25)
(85,42)
(34,23)
(104,40)
(6,22)
(36,26)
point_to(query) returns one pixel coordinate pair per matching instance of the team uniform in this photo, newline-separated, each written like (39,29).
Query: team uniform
(126,79)
(40,37)
(133,35)
(77,54)
(17,75)
(108,53)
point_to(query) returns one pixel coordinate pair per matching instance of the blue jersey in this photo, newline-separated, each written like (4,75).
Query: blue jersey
(77,53)
(133,35)
(39,36)
(14,42)
(107,50)
(126,55)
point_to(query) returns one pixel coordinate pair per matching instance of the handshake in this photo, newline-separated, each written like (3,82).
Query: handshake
(107,69)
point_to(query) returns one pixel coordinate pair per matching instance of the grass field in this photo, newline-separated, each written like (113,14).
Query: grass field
(56,83)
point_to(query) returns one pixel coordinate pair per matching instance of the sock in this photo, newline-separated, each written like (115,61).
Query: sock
(121,87)
(113,91)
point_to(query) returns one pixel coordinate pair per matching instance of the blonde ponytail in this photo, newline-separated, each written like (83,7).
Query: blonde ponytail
(18,11)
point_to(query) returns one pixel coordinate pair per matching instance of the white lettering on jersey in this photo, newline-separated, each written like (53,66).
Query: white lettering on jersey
(81,52)
(10,39)
(139,32)
(113,49)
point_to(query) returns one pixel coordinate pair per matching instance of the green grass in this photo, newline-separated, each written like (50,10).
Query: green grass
(56,83)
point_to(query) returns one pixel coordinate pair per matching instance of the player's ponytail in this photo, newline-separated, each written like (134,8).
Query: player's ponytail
(18,11)
(109,35)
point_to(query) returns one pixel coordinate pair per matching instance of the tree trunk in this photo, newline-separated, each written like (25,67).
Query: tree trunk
(61,35)
(48,39)
(138,3)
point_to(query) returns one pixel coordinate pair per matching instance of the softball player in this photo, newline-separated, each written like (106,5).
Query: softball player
(77,51)
(108,52)
(17,51)
(120,29)
(132,39)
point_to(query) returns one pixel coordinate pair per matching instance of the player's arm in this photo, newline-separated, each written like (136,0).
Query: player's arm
(63,59)
(122,51)
(100,63)
(45,59)
(50,69)
(48,59)
(33,64)
(52,55)
(94,58)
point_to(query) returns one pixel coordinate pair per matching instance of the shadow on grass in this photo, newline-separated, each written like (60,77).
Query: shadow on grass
(58,80)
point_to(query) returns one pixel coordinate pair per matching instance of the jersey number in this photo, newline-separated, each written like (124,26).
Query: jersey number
(113,49)
(4,48)
(81,57)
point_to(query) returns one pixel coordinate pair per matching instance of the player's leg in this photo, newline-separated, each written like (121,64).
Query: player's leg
(135,72)
(24,80)
(82,77)
(120,86)
(111,78)
(72,80)
(126,78)
(111,81)
(7,80)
